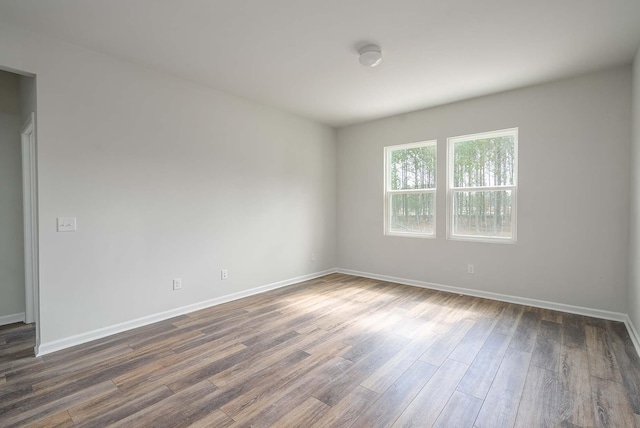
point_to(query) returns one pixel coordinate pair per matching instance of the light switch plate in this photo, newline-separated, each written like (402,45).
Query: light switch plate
(66,224)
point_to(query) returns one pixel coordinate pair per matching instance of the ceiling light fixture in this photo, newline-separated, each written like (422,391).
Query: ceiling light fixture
(370,55)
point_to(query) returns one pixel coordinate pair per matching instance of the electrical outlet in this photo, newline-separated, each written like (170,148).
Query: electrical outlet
(470,269)
(313,257)
(177,283)
(224,274)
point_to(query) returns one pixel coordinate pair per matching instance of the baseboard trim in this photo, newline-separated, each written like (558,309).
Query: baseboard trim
(57,345)
(596,313)
(633,333)
(13,318)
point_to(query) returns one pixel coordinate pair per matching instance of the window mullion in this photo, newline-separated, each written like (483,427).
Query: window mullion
(411,191)
(482,188)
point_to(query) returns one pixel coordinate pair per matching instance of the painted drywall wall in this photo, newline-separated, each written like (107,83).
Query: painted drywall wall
(634,234)
(573,208)
(11,231)
(10,93)
(167,179)
(28,100)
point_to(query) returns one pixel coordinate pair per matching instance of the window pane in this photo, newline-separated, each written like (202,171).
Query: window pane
(413,168)
(485,213)
(484,162)
(413,213)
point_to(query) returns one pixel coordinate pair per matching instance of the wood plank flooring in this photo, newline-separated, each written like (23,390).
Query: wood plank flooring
(338,351)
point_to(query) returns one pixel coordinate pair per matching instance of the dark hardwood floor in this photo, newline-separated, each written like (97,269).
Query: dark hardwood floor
(338,351)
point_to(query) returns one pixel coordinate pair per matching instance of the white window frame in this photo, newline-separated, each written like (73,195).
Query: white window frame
(388,192)
(451,189)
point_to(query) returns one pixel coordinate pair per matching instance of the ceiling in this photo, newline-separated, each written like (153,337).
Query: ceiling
(301,55)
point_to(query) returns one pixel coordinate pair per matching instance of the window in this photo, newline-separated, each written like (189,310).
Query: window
(410,189)
(482,186)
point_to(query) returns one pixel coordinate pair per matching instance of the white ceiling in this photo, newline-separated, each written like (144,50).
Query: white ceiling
(301,55)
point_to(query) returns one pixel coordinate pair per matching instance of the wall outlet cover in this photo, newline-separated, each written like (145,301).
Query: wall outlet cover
(66,224)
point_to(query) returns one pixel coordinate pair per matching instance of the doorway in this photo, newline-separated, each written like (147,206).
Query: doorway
(18,201)
(30,215)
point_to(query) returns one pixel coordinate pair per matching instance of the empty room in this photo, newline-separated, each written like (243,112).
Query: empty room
(289,213)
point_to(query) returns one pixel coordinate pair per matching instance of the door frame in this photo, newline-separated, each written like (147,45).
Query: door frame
(30,215)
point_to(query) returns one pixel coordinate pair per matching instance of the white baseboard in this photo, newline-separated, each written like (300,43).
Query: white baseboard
(633,333)
(579,310)
(13,318)
(596,313)
(57,345)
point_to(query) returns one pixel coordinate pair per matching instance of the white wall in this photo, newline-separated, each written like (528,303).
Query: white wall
(573,206)
(11,233)
(28,100)
(634,247)
(167,179)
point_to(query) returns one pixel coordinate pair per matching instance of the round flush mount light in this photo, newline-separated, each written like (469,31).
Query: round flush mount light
(370,55)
